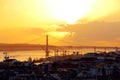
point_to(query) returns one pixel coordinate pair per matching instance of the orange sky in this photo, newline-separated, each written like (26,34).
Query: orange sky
(68,22)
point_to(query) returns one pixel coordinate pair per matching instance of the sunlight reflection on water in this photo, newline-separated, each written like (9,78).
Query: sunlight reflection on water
(23,55)
(36,54)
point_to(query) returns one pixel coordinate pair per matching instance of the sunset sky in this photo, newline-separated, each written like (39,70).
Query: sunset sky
(67,22)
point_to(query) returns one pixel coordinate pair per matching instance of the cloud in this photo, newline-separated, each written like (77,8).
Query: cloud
(59,34)
(21,22)
(35,31)
(94,32)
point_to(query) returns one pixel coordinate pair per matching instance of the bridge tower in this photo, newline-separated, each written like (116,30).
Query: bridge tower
(116,49)
(94,49)
(47,52)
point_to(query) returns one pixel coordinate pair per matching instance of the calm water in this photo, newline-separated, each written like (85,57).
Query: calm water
(24,55)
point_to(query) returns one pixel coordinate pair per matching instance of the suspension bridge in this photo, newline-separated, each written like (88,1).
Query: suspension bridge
(47,48)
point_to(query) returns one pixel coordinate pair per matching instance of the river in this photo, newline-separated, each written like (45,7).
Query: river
(24,55)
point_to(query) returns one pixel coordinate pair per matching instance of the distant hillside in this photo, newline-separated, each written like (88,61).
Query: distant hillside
(17,47)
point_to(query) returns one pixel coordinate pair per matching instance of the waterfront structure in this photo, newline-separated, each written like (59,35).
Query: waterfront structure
(92,66)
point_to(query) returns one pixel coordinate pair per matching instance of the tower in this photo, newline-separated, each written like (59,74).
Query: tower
(47,52)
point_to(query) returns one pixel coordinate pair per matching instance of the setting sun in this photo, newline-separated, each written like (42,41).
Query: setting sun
(72,10)
(81,21)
